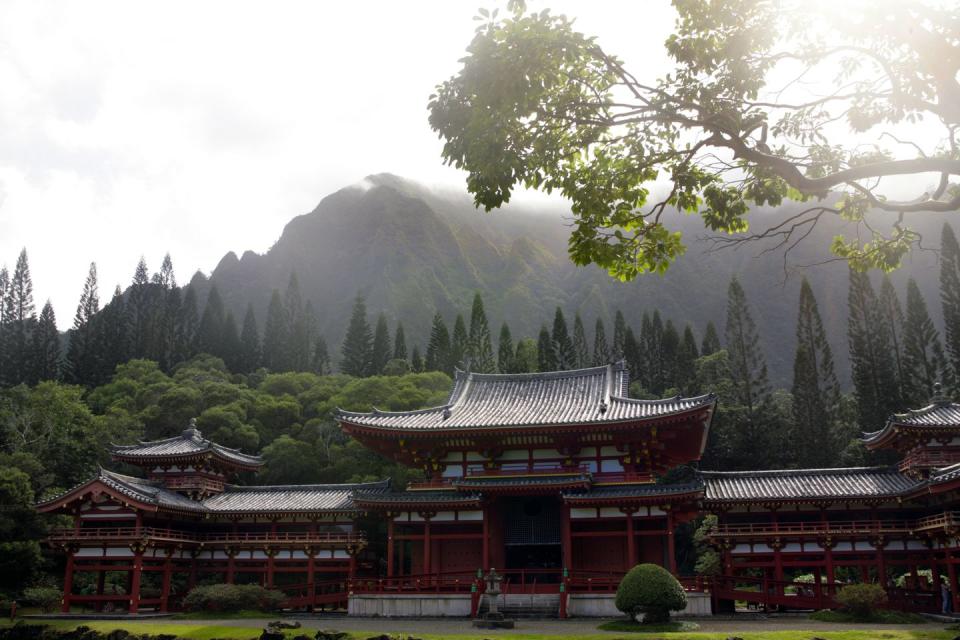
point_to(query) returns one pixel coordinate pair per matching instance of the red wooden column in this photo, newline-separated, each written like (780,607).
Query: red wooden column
(230,565)
(567,539)
(631,537)
(270,554)
(135,581)
(67,583)
(671,543)
(952,576)
(426,543)
(485,554)
(311,587)
(879,544)
(165,588)
(390,544)
(101,580)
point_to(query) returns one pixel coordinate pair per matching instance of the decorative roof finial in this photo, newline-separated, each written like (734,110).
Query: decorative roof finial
(938,397)
(191,431)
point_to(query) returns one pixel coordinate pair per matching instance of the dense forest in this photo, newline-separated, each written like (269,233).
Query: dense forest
(153,357)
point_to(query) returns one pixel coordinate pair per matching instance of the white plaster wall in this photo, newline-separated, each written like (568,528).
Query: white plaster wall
(406,606)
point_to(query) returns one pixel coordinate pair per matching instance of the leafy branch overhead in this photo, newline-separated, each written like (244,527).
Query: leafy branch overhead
(837,106)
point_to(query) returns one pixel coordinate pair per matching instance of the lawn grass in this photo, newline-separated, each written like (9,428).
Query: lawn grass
(200,631)
(636,627)
(881,617)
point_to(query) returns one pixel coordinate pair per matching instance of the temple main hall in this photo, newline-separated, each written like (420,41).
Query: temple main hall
(559,480)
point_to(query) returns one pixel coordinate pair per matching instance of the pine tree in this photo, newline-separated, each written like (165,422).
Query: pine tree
(480,347)
(4,285)
(249,342)
(816,393)
(311,334)
(687,361)
(601,351)
(711,341)
(230,349)
(562,344)
(357,349)
(46,347)
(950,298)
(619,334)
(669,355)
(83,353)
(167,333)
(632,353)
(210,332)
(438,348)
(111,332)
(275,336)
(892,314)
(186,326)
(138,311)
(416,361)
(321,357)
(20,317)
(381,347)
(924,362)
(505,351)
(871,356)
(580,350)
(527,357)
(165,277)
(296,352)
(748,367)
(546,354)
(459,345)
(399,343)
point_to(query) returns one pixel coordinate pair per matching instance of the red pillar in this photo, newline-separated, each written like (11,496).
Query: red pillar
(881,565)
(101,579)
(390,543)
(485,561)
(567,539)
(631,540)
(135,582)
(311,587)
(165,588)
(952,576)
(67,584)
(230,566)
(270,554)
(671,545)
(828,553)
(426,545)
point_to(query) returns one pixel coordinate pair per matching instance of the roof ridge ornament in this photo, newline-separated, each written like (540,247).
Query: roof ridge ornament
(192,432)
(938,397)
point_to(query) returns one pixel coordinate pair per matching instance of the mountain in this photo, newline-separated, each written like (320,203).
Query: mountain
(411,251)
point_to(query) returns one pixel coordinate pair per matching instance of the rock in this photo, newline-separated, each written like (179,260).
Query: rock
(284,624)
(118,634)
(268,634)
(382,636)
(302,637)
(331,634)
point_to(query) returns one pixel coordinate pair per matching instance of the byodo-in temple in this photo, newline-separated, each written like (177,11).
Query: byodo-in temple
(558,480)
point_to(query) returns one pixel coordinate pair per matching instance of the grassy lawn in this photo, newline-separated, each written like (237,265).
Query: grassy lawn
(199,631)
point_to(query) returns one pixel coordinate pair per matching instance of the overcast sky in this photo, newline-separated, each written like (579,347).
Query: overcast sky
(129,129)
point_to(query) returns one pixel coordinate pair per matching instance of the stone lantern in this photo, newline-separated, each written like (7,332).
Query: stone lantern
(493,618)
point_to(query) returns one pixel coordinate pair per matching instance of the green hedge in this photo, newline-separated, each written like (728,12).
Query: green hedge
(651,591)
(863,601)
(232,598)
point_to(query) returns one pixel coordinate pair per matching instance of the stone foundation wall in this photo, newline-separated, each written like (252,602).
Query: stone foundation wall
(429,605)
(600,605)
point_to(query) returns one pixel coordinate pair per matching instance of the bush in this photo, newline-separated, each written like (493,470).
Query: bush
(47,598)
(862,601)
(651,590)
(232,598)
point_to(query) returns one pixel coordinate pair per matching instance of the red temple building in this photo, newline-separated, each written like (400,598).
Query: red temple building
(558,480)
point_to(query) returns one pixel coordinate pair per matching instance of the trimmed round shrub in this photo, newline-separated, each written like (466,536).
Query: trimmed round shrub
(233,598)
(651,591)
(47,598)
(862,600)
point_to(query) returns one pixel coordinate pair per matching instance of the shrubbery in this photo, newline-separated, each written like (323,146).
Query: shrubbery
(652,591)
(47,598)
(232,598)
(862,600)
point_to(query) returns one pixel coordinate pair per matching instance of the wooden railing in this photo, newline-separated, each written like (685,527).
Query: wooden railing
(192,482)
(525,470)
(173,535)
(929,458)
(847,527)
(452,582)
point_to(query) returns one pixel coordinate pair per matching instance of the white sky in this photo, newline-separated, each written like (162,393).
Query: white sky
(203,127)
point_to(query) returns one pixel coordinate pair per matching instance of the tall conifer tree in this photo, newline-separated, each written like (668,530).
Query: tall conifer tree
(138,310)
(298,350)
(83,352)
(546,353)
(505,351)
(399,343)
(249,342)
(46,347)
(669,356)
(275,334)
(438,348)
(480,344)
(381,346)
(601,350)
(562,344)
(619,335)
(527,356)
(111,331)
(4,285)
(416,361)
(816,393)
(459,345)
(950,298)
(711,341)
(210,333)
(357,349)
(20,317)
(871,356)
(892,314)
(581,351)
(687,361)
(186,326)
(321,357)
(230,348)
(165,278)
(633,354)
(924,362)
(748,366)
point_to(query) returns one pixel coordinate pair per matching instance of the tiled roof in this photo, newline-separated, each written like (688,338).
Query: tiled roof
(237,499)
(937,415)
(188,443)
(594,395)
(289,498)
(417,497)
(627,491)
(805,484)
(946,474)
(480,482)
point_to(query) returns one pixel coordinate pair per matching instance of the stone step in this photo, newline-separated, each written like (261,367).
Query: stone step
(520,605)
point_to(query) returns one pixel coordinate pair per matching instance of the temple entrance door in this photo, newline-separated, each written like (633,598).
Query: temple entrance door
(532,543)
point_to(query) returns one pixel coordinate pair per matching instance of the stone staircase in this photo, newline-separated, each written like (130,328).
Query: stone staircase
(526,605)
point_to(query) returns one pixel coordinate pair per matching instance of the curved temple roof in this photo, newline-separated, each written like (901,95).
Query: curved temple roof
(806,484)
(939,415)
(189,443)
(582,396)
